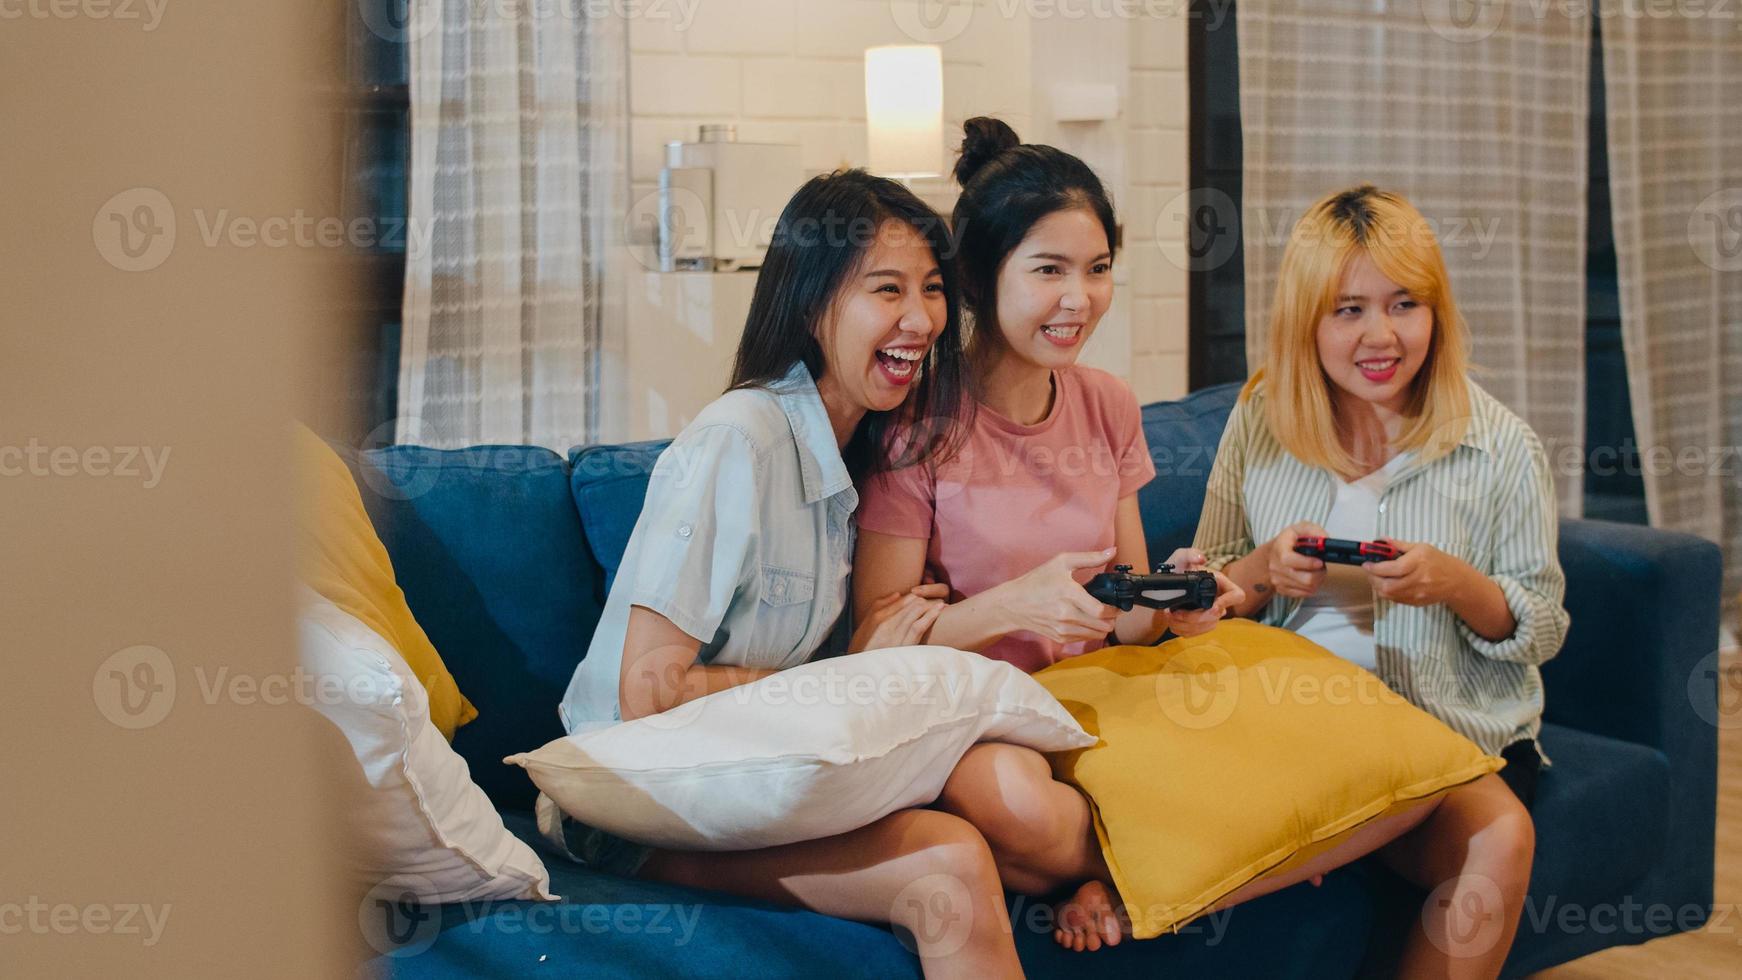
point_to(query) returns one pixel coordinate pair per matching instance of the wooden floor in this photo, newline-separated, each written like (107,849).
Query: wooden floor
(1713,952)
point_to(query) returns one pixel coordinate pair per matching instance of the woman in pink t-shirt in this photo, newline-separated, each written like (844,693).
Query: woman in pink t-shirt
(1040,496)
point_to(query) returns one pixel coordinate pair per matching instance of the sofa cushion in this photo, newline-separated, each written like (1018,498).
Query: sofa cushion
(609,485)
(615,927)
(1182,437)
(1601,817)
(497,570)
(1617,796)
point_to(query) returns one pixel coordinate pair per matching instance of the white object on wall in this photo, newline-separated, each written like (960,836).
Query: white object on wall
(1085,102)
(680,349)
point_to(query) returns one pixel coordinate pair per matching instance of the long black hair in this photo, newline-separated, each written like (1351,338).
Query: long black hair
(1007,186)
(822,236)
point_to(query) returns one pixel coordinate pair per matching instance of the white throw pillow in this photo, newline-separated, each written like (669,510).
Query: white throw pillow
(813,751)
(422,826)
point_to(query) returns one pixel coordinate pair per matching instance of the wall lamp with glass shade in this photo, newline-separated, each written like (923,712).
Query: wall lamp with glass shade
(904,110)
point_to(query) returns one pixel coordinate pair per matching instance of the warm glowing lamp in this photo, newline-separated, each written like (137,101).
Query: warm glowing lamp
(904,110)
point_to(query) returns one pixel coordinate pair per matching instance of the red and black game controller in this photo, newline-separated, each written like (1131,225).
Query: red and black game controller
(1340,551)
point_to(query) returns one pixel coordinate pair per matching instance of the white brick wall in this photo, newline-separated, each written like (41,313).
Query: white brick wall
(1158,167)
(793,71)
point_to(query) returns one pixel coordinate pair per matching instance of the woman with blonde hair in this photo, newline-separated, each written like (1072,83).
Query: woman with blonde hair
(1363,424)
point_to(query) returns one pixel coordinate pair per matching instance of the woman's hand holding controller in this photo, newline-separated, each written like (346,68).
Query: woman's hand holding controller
(1191,622)
(1049,601)
(1291,574)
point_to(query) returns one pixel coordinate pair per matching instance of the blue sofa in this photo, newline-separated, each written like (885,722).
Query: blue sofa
(506,554)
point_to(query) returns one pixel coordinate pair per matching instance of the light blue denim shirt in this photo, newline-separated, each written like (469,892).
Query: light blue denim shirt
(745,542)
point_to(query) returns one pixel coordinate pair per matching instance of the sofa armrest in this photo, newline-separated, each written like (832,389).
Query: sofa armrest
(1640,662)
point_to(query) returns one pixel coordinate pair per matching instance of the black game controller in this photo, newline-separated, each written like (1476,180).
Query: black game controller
(1166,589)
(1339,551)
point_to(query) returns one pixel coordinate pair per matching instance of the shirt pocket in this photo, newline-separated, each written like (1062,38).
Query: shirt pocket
(786,587)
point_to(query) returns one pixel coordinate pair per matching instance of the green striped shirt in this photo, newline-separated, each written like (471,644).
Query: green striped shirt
(1490,501)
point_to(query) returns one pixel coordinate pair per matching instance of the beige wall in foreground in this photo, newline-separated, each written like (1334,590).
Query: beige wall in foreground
(144,483)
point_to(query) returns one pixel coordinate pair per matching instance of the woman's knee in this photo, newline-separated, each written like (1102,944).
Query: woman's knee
(949,845)
(1508,844)
(1008,793)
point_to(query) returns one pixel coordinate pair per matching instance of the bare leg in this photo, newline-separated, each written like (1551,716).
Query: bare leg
(1369,837)
(1039,829)
(1474,854)
(927,873)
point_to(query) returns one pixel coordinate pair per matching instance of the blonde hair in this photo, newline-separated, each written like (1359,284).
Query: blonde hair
(1401,244)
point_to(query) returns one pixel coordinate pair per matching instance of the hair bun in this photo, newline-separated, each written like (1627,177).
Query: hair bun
(983,137)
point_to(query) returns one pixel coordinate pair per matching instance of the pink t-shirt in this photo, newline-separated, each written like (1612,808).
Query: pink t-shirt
(1016,495)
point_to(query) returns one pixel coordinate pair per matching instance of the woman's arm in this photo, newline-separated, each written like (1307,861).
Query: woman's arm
(660,672)
(1513,610)
(1047,600)
(887,563)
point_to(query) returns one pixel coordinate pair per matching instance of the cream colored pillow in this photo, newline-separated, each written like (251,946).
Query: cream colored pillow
(421,825)
(813,751)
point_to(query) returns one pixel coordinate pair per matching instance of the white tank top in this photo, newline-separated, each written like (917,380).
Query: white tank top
(1339,616)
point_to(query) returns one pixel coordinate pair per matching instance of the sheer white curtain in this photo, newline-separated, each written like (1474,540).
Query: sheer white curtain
(1478,114)
(1674,94)
(517,127)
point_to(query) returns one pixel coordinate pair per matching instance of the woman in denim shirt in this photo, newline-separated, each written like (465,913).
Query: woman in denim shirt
(738,565)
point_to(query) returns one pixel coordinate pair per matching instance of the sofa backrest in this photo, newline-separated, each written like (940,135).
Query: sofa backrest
(506,554)
(609,484)
(489,549)
(1183,436)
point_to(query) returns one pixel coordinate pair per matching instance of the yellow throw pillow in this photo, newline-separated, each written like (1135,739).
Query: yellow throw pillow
(1236,754)
(340,556)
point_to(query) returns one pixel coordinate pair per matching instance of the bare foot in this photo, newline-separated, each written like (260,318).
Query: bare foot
(1090,919)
